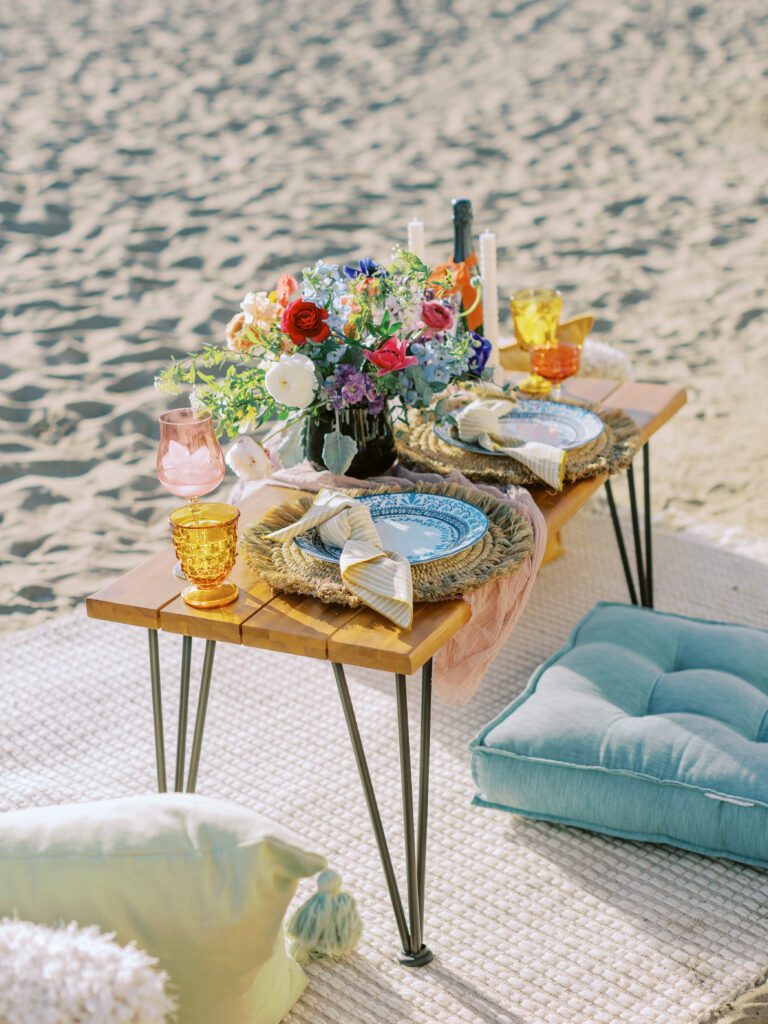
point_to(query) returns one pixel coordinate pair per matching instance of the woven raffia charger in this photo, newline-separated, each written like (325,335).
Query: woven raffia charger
(506,545)
(418,447)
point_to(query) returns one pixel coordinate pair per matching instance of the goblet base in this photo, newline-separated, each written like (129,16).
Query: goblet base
(535,385)
(210,597)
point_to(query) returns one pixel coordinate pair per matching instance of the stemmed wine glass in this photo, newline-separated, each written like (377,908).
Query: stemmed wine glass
(556,363)
(190,463)
(535,315)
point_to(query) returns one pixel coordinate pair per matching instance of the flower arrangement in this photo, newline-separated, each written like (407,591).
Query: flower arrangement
(370,338)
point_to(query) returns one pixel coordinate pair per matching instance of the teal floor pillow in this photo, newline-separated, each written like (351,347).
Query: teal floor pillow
(645,725)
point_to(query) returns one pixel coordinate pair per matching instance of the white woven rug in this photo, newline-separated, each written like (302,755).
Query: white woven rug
(530,923)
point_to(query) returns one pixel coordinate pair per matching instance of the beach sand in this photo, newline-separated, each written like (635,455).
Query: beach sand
(159,160)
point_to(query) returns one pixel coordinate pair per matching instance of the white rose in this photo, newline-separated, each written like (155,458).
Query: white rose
(292,381)
(248,460)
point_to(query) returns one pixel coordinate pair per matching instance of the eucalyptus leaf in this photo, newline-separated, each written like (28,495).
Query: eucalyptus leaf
(290,450)
(338,451)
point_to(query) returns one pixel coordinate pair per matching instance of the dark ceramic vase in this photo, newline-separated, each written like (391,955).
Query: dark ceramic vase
(376,452)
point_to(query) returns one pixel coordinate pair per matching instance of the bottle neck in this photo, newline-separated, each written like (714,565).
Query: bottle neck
(463,246)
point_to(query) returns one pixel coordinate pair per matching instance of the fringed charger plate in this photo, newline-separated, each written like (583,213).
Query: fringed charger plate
(504,546)
(420,448)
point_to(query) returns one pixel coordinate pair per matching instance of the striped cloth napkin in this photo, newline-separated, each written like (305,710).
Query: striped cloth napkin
(481,423)
(381,579)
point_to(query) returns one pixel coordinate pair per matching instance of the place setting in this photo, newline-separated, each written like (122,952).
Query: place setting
(526,434)
(430,543)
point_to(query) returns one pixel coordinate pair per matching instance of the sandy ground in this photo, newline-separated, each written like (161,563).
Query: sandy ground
(159,159)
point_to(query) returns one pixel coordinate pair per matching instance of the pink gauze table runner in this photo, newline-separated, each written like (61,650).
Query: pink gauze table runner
(496,606)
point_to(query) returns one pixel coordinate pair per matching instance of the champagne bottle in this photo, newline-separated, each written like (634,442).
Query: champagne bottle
(465,258)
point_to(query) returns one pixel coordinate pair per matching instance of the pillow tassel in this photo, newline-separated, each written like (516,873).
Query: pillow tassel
(328,924)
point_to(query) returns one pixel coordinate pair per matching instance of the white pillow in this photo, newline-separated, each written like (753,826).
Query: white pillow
(201,884)
(77,974)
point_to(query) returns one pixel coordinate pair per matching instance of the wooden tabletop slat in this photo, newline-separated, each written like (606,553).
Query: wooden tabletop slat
(649,405)
(296,625)
(137,597)
(219,623)
(370,641)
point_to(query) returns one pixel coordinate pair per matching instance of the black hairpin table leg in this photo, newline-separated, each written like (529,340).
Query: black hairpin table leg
(181,735)
(414,952)
(643,558)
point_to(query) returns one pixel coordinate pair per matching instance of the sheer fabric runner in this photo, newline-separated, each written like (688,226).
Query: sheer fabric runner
(496,607)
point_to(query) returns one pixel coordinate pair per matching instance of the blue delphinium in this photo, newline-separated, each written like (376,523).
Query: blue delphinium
(481,350)
(366,267)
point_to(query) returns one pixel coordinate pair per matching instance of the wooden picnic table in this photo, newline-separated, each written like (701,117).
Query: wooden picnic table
(150,597)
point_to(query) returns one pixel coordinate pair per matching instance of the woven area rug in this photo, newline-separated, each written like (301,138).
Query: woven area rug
(530,923)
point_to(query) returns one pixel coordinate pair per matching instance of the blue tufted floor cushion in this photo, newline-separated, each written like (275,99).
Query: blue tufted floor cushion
(645,725)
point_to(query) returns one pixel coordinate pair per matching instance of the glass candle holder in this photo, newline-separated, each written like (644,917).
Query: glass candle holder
(205,541)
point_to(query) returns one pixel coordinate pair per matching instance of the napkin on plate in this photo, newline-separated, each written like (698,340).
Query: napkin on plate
(481,423)
(381,579)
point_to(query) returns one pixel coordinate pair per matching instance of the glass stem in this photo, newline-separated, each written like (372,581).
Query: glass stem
(194,504)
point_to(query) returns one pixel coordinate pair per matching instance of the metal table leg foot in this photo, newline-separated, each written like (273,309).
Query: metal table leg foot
(414,952)
(157,710)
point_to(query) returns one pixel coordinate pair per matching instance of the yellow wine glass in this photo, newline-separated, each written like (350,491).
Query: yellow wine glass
(535,316)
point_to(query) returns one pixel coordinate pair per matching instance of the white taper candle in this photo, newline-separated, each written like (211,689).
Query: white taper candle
(416,237)
(490,293)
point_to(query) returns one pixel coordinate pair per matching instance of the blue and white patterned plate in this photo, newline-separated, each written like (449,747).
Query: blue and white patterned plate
(565,426)
(422,527)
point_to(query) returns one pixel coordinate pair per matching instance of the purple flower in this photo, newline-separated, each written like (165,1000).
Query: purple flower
(376,402)
(354,391)
(350,386)
(481,350)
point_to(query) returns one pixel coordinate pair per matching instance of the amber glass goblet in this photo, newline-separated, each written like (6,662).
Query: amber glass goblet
(190,463)
(556,364)
(205,539)
(535,315)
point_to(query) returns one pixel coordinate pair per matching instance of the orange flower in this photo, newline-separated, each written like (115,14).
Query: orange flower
(237,334)
(286,286)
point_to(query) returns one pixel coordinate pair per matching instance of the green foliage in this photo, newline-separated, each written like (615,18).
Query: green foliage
(338,451)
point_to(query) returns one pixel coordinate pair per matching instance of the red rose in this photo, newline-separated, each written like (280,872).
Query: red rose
(436,317)
(391,356)
(304,321)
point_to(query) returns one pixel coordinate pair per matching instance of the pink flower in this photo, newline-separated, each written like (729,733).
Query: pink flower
(436,318)
(390,356)
(286,286)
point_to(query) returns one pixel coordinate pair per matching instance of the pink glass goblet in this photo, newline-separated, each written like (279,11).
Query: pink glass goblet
(190,463)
